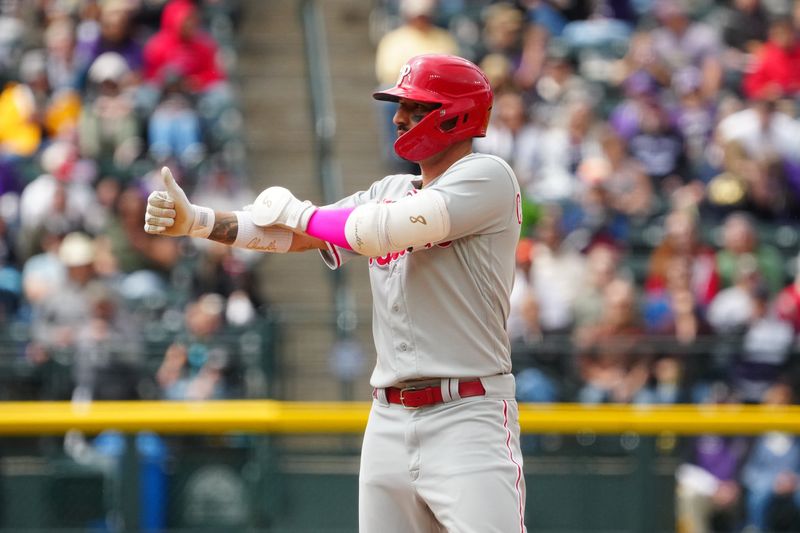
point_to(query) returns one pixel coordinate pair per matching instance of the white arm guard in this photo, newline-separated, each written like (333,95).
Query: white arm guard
(376,229)
(262,239)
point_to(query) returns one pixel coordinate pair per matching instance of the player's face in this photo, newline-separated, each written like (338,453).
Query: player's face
(409,113)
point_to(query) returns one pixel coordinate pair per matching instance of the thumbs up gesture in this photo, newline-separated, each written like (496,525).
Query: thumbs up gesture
(170,213)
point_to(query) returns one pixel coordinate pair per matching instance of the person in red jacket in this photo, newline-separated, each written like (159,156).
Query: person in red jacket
(776,71)
(185,91)
(181,48)
(787,303)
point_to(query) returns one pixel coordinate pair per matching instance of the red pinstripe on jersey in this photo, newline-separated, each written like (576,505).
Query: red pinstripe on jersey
(335,253)
(519,468)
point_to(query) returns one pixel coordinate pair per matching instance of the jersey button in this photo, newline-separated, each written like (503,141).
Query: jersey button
(395,308)
(403,347)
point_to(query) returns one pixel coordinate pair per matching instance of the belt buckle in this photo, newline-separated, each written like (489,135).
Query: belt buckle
(403,398)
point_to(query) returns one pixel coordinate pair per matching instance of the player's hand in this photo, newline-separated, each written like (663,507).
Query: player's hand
(170,212)
(277,206)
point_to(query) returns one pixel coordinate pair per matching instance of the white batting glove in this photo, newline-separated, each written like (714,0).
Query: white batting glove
(277,206)
(170,212)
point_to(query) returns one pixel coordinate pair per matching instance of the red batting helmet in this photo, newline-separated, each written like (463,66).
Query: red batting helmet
(464,99)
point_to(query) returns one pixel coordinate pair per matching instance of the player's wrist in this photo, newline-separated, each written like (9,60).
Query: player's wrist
(202,221)
(306,211)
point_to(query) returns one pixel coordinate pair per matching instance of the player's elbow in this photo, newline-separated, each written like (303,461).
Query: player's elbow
(376,229)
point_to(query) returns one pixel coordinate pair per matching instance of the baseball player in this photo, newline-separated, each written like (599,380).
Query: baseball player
(441,449)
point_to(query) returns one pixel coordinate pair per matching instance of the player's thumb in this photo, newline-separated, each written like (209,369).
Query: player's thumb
(174,190)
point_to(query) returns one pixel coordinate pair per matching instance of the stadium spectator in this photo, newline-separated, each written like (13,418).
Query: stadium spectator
(109,130)
(60,60)
(774,73)
(180,48)
(671,309)
(57,320)
(640,93)
(512,135)
(666,384)
(183,71)
(108,360)
(591,214)
(611,362)
(679,42)
(630,189)
(20,125)
(561,149)
(743,25)
(765,350)
(12,43)
(601,25)
(602,266)
(503,25)
(59,199)
(417,34)
(764,164)
(708,490)
(221,270)
(771,472)
(194,365)
(558,86)
(661,149)
(740,239)
(115,32)
(42,273)
(523,320)
(640,59)
(681,240)
(787,303)
(694,117)
(174,129)
(10,276)
(556,274)
(731,309)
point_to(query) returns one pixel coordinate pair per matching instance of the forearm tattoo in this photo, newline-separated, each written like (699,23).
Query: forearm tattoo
(226,228)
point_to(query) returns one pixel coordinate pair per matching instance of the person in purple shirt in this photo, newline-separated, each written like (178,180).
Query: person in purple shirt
(116,33)
(709,493)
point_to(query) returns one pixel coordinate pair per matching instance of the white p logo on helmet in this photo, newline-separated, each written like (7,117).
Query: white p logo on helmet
(405,71)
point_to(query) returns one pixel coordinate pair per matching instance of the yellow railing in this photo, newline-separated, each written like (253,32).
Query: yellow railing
(270,416)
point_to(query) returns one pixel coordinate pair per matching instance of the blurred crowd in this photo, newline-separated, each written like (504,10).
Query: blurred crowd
(657,144)
(95,96)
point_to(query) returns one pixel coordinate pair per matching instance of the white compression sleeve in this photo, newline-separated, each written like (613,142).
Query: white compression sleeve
(262,239)
(375,229)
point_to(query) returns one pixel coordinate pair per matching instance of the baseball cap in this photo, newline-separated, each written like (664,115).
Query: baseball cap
(109,66)
(77,249)
(32,65)
(56,158)
(417,8)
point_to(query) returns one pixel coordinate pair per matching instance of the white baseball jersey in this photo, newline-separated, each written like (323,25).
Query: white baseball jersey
(440,310)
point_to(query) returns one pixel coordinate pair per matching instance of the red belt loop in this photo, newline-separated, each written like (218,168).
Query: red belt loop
(414,398)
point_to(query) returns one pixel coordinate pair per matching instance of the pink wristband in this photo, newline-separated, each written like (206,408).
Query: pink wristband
(328,225)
